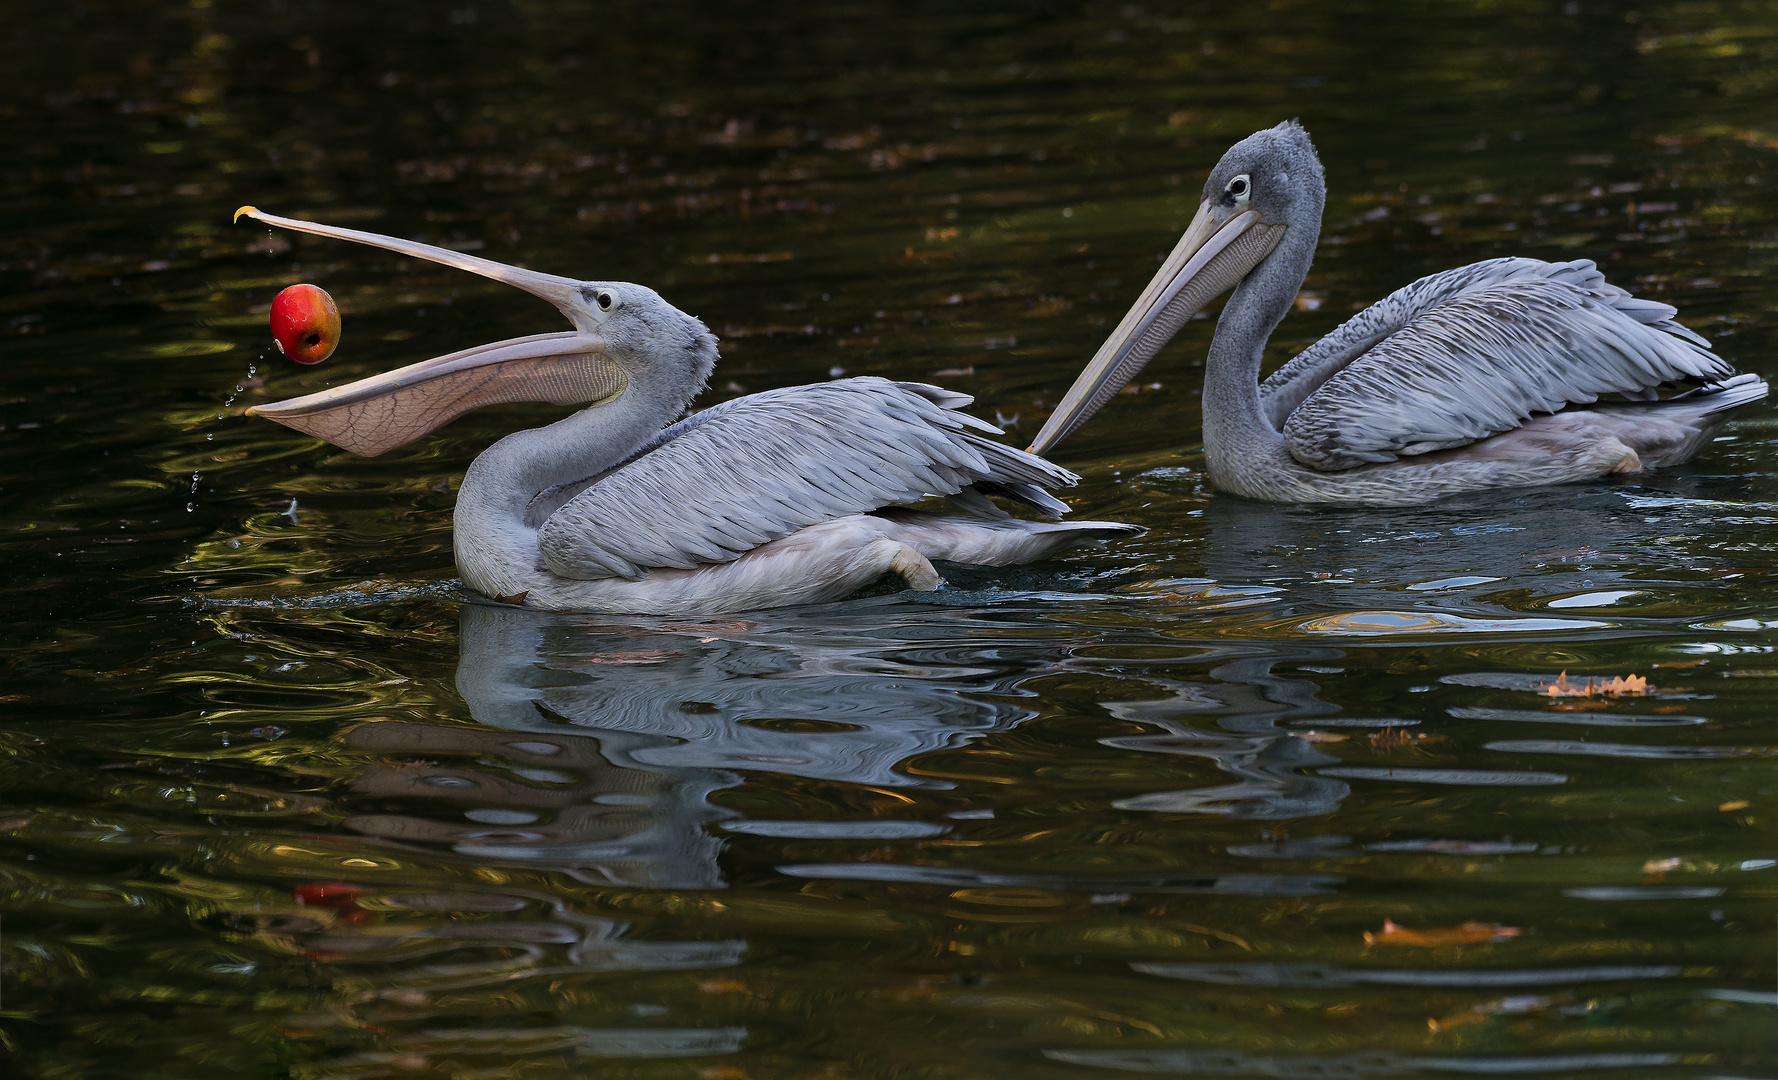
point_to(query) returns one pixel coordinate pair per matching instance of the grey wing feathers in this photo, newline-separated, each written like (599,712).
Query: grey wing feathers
(546,502)
(727,480)
(1472,352)
(1290,385)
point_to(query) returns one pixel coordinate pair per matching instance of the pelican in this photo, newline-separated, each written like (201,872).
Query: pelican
(779,498)
(1486,376)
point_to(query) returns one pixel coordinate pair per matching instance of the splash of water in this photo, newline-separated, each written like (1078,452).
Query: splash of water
(210,436)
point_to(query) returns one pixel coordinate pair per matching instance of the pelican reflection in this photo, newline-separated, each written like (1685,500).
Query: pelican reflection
(601,744)
(1252,705)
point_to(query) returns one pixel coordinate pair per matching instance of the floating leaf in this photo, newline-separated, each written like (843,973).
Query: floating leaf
(1470,933)
(1616,686)
(1473,1016)
(1391,738)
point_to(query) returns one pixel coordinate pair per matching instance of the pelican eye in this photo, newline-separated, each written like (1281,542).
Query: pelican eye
(607,300)
(1237,190)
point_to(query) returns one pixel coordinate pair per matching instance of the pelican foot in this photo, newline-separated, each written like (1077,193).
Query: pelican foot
(1630,462)
(915,569)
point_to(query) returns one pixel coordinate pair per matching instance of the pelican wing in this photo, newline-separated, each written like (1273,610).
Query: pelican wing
(726,480)
(1469,353)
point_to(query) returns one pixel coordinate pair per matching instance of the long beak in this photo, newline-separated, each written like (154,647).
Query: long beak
(1211,258)
(384,411)
(381,412)
(563,292)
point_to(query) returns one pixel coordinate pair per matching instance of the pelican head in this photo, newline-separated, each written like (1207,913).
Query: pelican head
(626,340)
(1268,187)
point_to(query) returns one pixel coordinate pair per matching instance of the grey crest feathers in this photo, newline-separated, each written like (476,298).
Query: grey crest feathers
(815,453)
(1279,159)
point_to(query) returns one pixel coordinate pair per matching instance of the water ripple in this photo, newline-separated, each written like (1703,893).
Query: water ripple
(1342,1067)
(1229,884)
(1615,750)
(1588,719)
(838,830)
(1461,777)
(1387,623)
(1322,975)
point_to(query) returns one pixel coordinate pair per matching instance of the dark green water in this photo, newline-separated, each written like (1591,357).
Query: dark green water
(1135,812)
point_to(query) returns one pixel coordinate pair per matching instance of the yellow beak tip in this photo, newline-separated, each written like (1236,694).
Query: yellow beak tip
(245,210)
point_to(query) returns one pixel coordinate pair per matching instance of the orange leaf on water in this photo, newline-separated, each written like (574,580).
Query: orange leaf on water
(1473,1016)
(1616,686)
(1470,933)
(1396,737)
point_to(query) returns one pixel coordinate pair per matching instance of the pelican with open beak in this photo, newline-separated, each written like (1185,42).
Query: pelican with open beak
(778,498)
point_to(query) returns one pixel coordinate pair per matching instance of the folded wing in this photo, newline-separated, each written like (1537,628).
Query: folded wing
(1459,356)
(730,478)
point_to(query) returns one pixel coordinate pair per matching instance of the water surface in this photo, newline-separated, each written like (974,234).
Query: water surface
(1219,801)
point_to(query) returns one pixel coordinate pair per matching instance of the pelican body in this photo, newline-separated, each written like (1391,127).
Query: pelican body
(778,498)
(1489,375)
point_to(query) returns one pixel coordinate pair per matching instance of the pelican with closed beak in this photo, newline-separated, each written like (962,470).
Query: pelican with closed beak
(1490,375)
